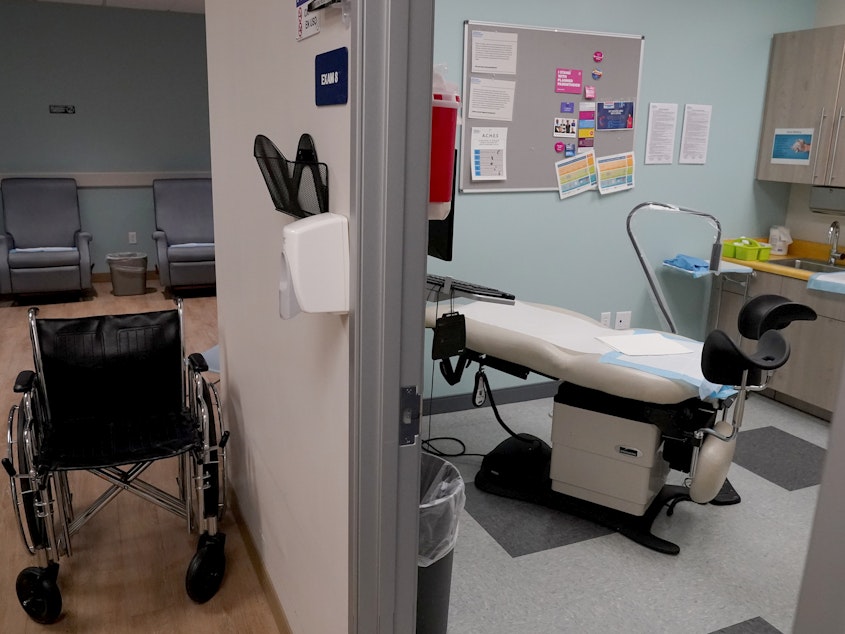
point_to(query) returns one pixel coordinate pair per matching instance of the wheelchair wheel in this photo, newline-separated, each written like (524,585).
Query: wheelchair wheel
(213,470)
(207,567)
(35,525)
(39,593)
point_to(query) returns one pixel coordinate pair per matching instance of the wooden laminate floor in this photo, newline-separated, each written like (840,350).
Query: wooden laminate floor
(128,566)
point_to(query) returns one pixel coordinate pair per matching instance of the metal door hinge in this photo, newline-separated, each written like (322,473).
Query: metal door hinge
(409,415)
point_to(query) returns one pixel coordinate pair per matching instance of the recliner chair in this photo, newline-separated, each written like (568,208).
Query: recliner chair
(184,234)
(43,249)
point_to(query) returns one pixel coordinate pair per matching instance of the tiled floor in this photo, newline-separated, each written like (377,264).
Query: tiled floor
(519,567)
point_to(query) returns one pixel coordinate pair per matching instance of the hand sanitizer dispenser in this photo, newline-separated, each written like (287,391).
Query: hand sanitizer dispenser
(315,266)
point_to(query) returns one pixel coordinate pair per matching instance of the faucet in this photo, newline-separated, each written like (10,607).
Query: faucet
(833,243)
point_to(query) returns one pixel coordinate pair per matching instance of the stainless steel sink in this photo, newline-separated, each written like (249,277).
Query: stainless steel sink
(814,266)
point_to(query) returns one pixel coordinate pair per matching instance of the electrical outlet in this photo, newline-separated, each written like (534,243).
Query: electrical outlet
(605,319)
(623,320)
(133,237)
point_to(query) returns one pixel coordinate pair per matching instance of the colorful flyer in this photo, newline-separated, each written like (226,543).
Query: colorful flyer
(568,80)
(792,146)
(615,115)
(615,172)
(586,124)
(576,174)
(565,127)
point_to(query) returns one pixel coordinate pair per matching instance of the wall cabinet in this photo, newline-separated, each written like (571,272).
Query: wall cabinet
(805,92)
(810,379)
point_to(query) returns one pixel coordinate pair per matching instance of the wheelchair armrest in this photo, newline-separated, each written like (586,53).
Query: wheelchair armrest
(25,381)
(197,362)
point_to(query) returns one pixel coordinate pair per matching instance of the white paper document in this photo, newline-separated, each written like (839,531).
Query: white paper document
(493,52)
(660,137)
(643,345)
(489,148)
(695,134)
(491,99)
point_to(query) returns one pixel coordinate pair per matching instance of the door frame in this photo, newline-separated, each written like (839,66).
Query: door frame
(390,93)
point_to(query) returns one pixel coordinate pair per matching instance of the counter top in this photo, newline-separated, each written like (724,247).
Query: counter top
(798,249)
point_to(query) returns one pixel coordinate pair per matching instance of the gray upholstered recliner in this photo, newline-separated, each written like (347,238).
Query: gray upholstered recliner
(43,249)
(184,232)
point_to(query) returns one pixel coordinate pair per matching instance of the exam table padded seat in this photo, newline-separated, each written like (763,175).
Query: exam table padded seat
(577,363)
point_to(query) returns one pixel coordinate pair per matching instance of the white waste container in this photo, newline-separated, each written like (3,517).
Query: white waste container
(128,272)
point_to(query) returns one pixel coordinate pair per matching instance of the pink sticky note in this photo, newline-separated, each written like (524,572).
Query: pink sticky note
(589,92)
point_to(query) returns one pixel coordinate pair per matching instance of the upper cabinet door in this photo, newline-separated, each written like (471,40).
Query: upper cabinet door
(804,77)
(835,175)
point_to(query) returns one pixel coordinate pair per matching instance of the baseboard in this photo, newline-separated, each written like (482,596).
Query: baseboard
(517,394)
(106,277)
(276,608)
(808,408)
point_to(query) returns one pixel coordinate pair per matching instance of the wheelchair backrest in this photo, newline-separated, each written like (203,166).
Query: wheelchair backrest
(111,364)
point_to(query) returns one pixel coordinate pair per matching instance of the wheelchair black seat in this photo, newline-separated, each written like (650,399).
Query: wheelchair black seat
(114,391)
(110,395)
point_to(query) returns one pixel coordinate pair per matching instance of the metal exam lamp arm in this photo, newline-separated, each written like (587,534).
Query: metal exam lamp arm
(654,287)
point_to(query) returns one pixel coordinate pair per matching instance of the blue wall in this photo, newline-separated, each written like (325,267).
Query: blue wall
(138,81)
(576,253)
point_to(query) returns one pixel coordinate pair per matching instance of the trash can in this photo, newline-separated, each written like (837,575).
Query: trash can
(442,498)
(128,272)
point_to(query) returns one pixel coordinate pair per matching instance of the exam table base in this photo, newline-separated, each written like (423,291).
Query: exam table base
(518,468)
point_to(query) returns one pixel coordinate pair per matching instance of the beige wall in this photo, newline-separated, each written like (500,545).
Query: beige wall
(803,223)
(286,382)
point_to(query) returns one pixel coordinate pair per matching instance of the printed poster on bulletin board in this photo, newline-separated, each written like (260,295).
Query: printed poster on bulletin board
(614,115)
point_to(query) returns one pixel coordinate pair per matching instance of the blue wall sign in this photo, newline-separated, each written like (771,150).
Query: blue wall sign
(331,77)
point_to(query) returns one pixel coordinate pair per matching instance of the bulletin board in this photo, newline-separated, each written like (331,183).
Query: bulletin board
(536,70)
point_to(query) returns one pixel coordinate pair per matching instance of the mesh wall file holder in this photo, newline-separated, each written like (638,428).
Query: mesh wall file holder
(299,188)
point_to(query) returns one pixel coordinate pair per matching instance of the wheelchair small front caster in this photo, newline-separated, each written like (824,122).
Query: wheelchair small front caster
(205,572)
(39,593)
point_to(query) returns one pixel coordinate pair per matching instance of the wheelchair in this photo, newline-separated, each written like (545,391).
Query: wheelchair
(111,395)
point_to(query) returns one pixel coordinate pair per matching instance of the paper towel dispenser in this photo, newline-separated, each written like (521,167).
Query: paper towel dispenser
(314,275)
(827,200)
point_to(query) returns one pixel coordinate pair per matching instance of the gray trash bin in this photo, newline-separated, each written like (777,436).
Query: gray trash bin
(128,272)
(442,497)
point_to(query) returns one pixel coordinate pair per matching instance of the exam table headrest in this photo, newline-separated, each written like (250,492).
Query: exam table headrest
(770,312)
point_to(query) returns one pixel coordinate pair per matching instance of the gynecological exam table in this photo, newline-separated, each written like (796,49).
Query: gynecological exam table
(631,405)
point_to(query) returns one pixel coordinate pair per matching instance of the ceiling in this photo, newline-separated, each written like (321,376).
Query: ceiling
(180,6)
